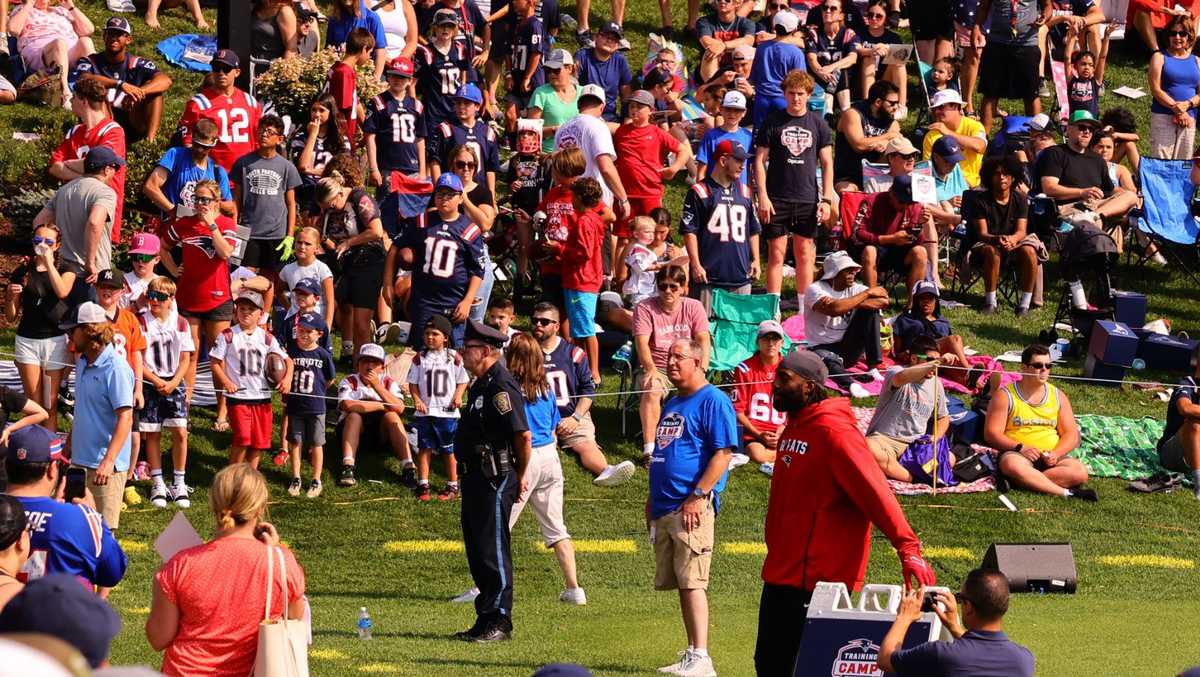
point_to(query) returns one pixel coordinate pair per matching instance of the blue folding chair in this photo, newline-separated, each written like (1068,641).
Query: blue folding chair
(1167,216)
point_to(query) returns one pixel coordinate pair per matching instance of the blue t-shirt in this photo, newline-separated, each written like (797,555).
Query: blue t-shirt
(311,374)
(396,124)
(612,75)
(954,185)
(542,416)
(569,374)
(71,539)
(690,431)
(772,61)
(339,29)
(978,653)
(716,135)
(723,221)
(183,175)
(101,388)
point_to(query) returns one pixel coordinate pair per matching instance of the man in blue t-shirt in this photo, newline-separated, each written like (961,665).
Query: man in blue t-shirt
(980,646)
(67,538)
(172,183)
(603,65)
(694,443)
(1179,447)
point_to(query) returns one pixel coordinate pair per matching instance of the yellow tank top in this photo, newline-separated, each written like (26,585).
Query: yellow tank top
(1033,425)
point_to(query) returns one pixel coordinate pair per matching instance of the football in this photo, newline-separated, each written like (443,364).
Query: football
(275,369)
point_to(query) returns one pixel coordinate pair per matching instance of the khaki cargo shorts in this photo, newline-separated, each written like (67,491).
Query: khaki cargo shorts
(682,559)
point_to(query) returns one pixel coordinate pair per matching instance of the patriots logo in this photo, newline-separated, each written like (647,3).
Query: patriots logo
(204,243)
(22,454)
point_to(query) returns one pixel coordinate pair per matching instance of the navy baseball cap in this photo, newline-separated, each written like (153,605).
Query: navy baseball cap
(445,17)
(118,23)
(60,606)
(100,157)
(308,286)
(449,181)
(227,57)
(948,148)
(612,28)
(469,92)
(440,323)
(485,334)
(312,321)
(902,188)
(33,444)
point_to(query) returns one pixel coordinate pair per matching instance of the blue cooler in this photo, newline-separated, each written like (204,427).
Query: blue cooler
(1168,353)
(966,425)
(1112,374)
(1129,307)
(1113,343)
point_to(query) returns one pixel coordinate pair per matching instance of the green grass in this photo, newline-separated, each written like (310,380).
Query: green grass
(1114,626)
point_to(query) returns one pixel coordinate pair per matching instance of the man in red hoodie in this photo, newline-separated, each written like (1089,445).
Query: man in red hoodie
(826,493)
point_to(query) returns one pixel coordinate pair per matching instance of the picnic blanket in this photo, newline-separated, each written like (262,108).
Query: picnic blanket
(985,362)
(1114,446)
(862,416)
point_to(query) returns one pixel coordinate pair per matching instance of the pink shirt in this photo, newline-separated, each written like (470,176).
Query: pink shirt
(43,26)
(220,589)
(688,320)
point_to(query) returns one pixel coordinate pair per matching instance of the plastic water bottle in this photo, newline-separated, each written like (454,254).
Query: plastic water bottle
(624,353)
(364,624)
(1138,364)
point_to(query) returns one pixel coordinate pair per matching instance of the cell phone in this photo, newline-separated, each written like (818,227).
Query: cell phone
(76,484)
(930,602)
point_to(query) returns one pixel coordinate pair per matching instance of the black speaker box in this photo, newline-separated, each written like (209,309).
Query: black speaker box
(1034,567)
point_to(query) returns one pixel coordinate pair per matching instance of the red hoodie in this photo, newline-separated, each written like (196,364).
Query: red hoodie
(826,493)
(583,253)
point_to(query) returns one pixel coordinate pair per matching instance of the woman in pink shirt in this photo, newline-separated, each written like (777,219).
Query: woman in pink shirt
(50,35)
(210,599)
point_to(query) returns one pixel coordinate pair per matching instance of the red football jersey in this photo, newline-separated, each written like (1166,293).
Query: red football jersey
(752,392)
(204,284)
(560,210)
(343,87)
(236,117)
(76,146)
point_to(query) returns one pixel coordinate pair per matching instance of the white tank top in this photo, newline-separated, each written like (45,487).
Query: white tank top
(395,26)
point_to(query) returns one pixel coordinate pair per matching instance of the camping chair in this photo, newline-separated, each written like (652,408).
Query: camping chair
(1095,272)
(965,274)
(888,278)
(734,327)
(924,115)
(1167,218)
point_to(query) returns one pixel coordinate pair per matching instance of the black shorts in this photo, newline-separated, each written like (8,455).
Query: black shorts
(794,218)
(552,292)
(931,19)
(887,258)
(360,282)
(1009,71)
(222,313)
(263,255)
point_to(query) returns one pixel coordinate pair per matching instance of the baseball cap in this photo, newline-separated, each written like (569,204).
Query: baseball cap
(559,58)
(613,28)
(926,287)
(485,333)
(307,285)
(372,351)
(401,66)
(902,188)
(59,606)
(470,92)
(948,148)
(110,278)
(944,97)
(304,14)
(144,243)
(806,364)
(440,323)
(33,444)
(734,99)
(251,296)
(1084,118)
(743,53)
(312,321)
(100,157)
(768,327)
(643,97)
(445,16)
(592,90)
(657,77)
(729,147)
(118,23)
(227,57)
(449,181)
(1041,124)
(787,20)
(900,145)
(85,313)
(836,262)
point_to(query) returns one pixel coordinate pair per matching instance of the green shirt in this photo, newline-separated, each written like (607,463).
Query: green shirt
(554,111)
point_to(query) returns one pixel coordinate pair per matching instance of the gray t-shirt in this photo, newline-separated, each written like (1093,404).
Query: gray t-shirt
(72,205)
(1002,30)
(903,413)
(264,183)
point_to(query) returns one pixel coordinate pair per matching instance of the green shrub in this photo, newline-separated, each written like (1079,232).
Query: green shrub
(292,84)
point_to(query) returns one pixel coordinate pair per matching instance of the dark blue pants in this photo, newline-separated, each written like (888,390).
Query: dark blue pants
(486,506)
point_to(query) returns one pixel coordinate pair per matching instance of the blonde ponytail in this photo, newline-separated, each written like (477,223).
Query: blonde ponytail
(238,496)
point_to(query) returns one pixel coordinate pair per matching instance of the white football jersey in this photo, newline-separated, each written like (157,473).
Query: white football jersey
(351,388)
(437,374)
(244,357)
(165,343)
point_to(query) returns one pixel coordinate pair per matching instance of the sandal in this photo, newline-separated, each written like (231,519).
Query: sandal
(221,425)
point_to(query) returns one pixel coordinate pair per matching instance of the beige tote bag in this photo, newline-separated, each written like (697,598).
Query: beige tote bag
(282,644)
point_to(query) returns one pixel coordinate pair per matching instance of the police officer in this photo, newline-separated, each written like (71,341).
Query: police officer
(493,447)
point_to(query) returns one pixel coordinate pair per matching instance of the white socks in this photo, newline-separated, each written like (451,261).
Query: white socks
(989,298)
(1025,299)
(1196,482)
(1078,297)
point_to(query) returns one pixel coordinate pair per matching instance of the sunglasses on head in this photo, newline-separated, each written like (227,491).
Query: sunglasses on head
(49,241)
(543,321)
(143,258)
(157,296)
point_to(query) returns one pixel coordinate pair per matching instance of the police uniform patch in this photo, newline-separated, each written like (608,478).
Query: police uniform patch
(502,402)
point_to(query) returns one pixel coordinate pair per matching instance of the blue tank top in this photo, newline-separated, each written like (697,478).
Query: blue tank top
(1180,80)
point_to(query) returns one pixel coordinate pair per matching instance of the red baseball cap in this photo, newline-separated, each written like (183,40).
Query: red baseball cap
(729,147)
(401,66)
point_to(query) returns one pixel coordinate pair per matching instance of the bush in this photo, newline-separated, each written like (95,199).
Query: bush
(292,84)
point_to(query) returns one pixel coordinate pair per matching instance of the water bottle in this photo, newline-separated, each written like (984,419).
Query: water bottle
(624,353)
(1138,364)
(364,624)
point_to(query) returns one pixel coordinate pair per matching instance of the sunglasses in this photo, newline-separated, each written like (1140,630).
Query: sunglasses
(220,68)
(544,321)
(49,241)
(780,7)
(1179,34)
(459,164)
(875,15)
(831,9)
(157,296)
(552,71)
(267,131)
(203,200)
(668,286)
(1039,366)
(892,102)
(143,258)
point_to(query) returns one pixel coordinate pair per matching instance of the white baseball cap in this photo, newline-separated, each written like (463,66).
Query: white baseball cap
(787,20)
(944,97)
(593,90)
(734,99)
(251,296)
(372,351)
(85,313)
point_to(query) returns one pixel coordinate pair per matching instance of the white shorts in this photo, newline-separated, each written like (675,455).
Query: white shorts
(50,354)
(544,479)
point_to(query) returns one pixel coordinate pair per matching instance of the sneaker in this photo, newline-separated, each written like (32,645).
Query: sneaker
(294,486)
(181,495)
(738,461)
(142,472)
(698,666)
(347,478)
(467,597)
(989,309)
(158,495)
(858,392)
(131,496)
(497,632)
(124,6)
(1161,482)
(1044,89)
(573,596)
(614,475)
(674,668)
(1085,494)
(408,476)
(1021,311)
(423,493)
(767,469)
(280,458)
(584,38)
(449,493)
(314,489)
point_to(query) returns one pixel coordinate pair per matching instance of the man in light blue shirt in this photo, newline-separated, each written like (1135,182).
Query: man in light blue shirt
(99,439)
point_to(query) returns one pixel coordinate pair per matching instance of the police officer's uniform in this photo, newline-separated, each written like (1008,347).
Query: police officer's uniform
(487,469)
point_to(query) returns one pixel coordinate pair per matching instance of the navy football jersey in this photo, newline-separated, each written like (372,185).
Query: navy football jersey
(723,220)
(396,124)
(438,78)
(446,255)
(135,70)
(447,136)
(569,374)
(312,372)
(529,38)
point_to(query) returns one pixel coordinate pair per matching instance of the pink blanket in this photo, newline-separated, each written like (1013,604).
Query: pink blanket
(862,416)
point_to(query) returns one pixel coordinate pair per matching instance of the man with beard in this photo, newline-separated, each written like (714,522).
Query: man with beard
(864,132)
(826,493)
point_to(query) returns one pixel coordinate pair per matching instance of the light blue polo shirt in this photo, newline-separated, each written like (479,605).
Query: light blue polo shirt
(101,388)
(954,185)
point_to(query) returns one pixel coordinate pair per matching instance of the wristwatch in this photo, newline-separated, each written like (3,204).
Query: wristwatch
(699,493)
(577,416)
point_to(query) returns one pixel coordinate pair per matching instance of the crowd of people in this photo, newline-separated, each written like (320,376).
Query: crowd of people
(286,260)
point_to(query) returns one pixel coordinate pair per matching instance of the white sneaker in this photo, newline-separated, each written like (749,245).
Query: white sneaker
(698,666)
(674,668)
(901,113)
(573,596)
(180,493)
(158,495)
(738,460)
(466,597)
(1159,259)
(615,474)
(858,392)
(874,374)
(767,469)
(121,6)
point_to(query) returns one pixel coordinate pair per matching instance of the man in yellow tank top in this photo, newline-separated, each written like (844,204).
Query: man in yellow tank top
(1032,425)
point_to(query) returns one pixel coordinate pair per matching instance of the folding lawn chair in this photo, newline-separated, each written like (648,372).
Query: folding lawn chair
(851,202)
(734,327)
(1167,217)
(965,274)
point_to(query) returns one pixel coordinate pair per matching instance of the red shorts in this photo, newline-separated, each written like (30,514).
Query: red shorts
(638,206)
(251,424)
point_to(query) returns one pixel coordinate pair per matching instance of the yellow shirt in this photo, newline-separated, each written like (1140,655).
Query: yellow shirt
(1033,425)
(972,161)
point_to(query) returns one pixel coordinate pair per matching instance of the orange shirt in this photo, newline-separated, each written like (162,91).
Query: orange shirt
(128,337)
(220,589)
